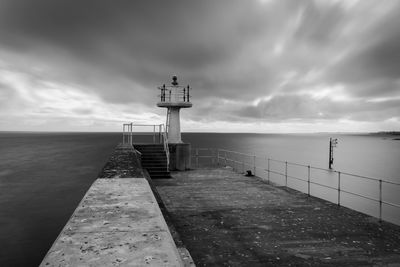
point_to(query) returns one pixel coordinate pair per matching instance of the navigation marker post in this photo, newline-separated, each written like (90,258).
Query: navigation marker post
(332,143)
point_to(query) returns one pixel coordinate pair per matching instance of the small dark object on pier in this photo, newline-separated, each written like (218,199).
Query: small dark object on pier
(175,80)
(249,173)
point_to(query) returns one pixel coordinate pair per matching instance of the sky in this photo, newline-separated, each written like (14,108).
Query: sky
(254,66)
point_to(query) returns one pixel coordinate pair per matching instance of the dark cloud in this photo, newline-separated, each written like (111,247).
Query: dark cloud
(232,53)
(377,60)
(372,67)
(142,40)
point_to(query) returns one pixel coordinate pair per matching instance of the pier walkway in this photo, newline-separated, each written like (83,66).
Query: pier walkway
(227,219)
(117,223)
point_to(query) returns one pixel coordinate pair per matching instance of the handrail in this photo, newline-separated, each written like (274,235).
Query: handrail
(128,133)
(334,171)
(165,142)
(147,124)
(238,159)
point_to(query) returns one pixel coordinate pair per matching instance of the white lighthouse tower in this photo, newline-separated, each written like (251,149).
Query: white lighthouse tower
(174,98)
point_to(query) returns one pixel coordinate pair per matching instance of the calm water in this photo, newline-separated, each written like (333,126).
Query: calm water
(43,176)
(42,179)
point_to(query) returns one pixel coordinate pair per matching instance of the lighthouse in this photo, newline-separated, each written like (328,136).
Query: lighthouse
(175,97)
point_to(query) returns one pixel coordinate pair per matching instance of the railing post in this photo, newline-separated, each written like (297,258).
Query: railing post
(159,134)
(197,158)
(217,157)
(286,173)
(254,164)
(154,134)
(308,181)
(380,200)
(338,197)
(123,133)
(268,170)
(131,135)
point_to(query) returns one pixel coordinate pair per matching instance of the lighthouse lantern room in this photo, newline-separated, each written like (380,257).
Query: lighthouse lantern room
(174,97)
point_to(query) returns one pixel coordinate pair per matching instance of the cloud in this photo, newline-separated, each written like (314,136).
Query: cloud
(320,24)
(371,65)
(245,60)
(307,108)
(31,101)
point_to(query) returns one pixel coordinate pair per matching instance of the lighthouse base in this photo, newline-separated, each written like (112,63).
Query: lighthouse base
(179,156)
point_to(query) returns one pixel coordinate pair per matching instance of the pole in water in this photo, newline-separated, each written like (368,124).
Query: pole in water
(332,144)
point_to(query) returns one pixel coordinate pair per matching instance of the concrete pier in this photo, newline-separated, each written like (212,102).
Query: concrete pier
(222,217)
(227,219)
(118,222)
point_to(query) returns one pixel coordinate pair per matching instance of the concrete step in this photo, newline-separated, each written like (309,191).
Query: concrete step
(147,145)
(154,160)
(147,148)
(149,154)
(160,175)
(151,150)
(155,168)
(145,153)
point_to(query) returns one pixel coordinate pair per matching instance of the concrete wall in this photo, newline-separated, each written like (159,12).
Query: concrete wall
(118,222)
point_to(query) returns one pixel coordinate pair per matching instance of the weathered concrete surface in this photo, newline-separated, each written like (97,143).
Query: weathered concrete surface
(180,156)
(123,163)
(118,223)
(227,219)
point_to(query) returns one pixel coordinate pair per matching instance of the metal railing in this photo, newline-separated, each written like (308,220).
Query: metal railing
(146,134)
(127,137)
(242,162)
(174,93)
(207,154)
(143,133)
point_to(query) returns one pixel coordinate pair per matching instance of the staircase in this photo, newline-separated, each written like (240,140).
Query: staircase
(154,159)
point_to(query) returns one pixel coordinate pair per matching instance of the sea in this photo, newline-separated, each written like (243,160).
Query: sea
(43,176)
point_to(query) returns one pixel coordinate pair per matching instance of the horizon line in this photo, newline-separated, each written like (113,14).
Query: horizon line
(120,132)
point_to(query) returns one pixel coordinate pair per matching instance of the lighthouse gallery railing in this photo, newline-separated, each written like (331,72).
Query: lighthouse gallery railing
(174,94)
(242,162)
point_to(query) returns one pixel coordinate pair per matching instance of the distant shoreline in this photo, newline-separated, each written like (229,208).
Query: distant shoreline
(383,133)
